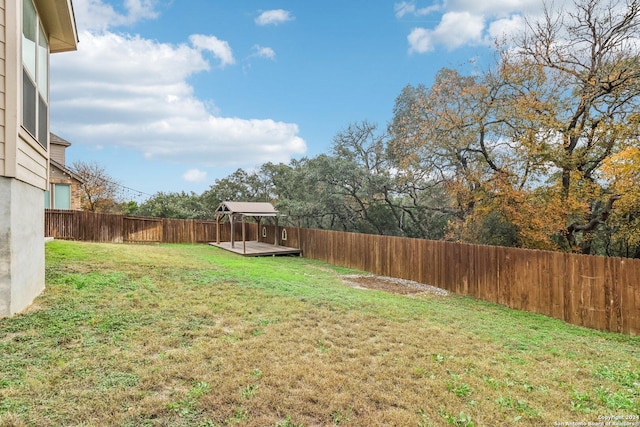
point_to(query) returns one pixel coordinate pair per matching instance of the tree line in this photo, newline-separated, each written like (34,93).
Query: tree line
(539,150)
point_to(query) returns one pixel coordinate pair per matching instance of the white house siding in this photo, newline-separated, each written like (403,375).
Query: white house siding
(57,152)
(32,164)
(3,50)
(11,70)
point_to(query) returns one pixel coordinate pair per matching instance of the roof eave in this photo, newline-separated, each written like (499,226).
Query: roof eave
(242,208)
(57,140)
(59,23)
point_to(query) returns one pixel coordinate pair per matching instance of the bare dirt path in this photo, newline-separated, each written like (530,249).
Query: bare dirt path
(391,284)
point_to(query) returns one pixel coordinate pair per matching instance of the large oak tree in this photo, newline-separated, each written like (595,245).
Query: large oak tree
(520,147)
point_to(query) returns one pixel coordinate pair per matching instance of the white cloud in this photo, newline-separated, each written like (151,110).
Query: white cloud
(504,27)
(420,40)
(458,28)
(96,16)
(499,8)
(219,48)
(141,8)
(194,175)
(404,8)
(274,17)
(126,91)
(409,8)
(468,22)
(454,30)
(118,62)
(264,52)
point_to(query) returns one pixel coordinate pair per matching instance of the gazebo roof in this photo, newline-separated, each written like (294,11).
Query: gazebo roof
(247,209)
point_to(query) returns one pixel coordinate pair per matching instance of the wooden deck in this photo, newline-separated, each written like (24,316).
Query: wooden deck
(254,248)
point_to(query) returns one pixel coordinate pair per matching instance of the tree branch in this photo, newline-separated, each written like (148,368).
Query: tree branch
(591,225)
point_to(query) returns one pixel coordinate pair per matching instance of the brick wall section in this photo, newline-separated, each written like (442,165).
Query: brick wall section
(56,176)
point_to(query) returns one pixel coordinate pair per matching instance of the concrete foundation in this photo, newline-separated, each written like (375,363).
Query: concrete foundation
(21,245)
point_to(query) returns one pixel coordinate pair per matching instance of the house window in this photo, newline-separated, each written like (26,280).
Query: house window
(35,75)
(59,197)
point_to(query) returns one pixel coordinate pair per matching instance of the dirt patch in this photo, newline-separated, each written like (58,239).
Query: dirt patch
(391,284)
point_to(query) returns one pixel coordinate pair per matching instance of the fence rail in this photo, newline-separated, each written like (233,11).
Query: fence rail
(596,292)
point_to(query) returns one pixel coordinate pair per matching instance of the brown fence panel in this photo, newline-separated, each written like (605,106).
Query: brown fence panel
(59,224)
(225,232)
(197,231)
(98,227)
(629,280)
(572,291)
(205,231)
(291,237)
(83,225)
(486,283)
(544,283)
(266,233)
(142,230)
(178,231)
(558,279)
(398,257)
(312,246)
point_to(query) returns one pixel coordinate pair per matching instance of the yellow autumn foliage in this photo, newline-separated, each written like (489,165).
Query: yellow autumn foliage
(622,171)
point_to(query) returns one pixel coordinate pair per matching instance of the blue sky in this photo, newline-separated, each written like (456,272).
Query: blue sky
(169,95)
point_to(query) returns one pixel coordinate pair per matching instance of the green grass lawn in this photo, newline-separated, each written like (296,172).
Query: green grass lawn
(186,335)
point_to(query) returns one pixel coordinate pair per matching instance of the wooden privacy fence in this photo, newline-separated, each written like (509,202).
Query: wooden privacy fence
(597,292)
(85,226)
(96,227)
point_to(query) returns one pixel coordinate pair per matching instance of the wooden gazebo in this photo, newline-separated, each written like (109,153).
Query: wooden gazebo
(256,210)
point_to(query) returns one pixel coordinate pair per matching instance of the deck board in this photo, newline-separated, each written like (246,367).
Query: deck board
(254,248)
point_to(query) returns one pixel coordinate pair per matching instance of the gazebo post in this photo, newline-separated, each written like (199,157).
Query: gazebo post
(217,229)
(276,239)
(244,234)
(258,220)
(232,231)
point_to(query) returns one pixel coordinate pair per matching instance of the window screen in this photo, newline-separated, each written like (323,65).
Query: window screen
(28,103)
(43,122)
